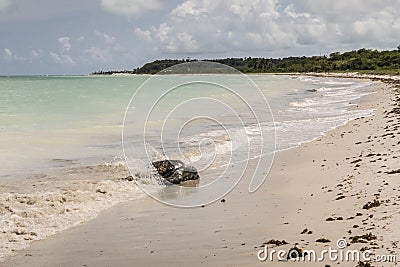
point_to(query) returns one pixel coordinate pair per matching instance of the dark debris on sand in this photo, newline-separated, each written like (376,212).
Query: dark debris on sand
(322,240)
(393,171)
(363,238)
(373,204)
(275,242)
(296,252)
(364,264)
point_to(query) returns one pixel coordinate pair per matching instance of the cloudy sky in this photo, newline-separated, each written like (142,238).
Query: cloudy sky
(81,36)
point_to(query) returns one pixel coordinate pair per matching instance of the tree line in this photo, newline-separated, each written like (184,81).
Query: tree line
(362,60)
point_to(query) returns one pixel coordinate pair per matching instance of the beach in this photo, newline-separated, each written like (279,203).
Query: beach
(199,133)
(341,186)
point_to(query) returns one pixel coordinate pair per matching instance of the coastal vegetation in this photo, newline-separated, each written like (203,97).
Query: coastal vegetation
(362,60)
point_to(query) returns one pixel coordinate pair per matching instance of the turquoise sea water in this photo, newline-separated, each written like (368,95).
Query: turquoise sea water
(80,118)
(45,118)
(60,138)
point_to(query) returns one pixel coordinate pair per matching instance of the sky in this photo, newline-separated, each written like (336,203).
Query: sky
(39,37)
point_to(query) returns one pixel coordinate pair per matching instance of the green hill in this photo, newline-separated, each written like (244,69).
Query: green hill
(362,60)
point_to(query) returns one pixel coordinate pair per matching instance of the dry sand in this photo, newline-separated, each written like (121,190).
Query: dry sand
(315,191)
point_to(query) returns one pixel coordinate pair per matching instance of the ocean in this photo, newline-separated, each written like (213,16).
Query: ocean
(63,160)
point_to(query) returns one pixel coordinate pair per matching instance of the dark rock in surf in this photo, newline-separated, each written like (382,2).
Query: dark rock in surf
(175,171)
(167,167)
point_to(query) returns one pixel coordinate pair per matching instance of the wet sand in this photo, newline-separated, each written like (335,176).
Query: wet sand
(345,185)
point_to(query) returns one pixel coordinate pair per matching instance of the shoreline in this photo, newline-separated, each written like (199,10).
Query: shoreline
(346,75)
(233,237)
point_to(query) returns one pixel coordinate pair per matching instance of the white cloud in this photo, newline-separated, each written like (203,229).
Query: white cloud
(34,54)
(291,12)
(264,27)
(130,7)
(107,50)
(217,26)
(347,10)
(165,39)
(99,54)
(360,23)
(65,44)
(4,4)
(63,57)
(9,55)
(187,8)
(146,35)
(109,40)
